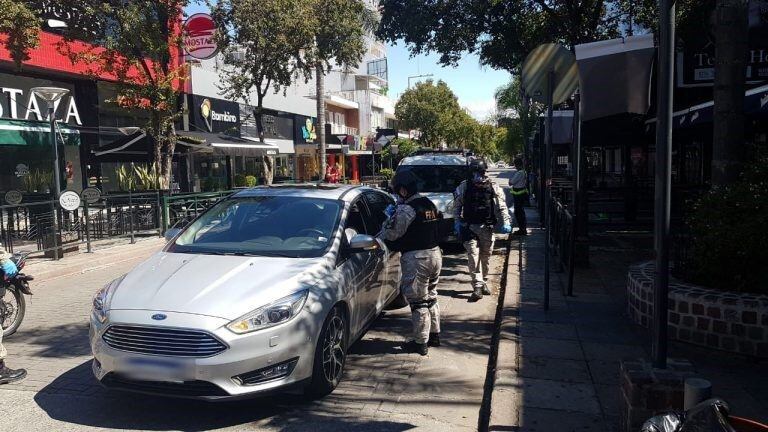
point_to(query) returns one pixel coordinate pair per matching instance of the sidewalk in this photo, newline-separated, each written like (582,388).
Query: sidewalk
(81,262)
(558,370)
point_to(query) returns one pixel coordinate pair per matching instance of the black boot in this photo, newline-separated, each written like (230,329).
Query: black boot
(434,340)
(414,347)
(477,293)
(8,375)
(486,290)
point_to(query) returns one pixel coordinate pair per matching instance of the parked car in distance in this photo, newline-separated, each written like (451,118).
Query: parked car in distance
(439,175)
(263,292)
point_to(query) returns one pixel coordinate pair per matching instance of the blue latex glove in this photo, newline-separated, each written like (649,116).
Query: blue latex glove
(457,227)
(390,210)
(506,229)
(9,268)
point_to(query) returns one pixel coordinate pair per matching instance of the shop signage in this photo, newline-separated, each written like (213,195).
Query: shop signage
(91,195)
(21,170)
(215,115)
(69,200)
(200,36)
(306,131)
(13,197)
(17,101)
(696,63)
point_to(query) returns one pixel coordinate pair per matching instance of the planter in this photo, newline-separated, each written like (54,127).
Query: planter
(721,320)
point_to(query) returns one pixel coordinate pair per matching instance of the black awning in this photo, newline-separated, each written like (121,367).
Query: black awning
(226,144)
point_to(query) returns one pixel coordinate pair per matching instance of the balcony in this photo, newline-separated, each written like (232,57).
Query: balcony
(339,129)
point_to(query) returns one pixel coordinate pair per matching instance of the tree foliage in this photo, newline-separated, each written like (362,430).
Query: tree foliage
(263,42)
(433,110)
(133,42)
(521,116)
(503,32)
(19,30)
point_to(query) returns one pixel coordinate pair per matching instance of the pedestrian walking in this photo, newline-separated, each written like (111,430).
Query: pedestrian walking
(479,205)
(413,230)
(519,184)
(7,375)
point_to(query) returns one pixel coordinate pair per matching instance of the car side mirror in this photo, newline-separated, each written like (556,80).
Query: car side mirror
(363,243)
(170,233)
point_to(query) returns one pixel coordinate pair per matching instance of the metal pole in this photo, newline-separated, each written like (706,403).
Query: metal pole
(87,227)
(56,180)
(545,174)
(663,179)
(130,209)
(576,187)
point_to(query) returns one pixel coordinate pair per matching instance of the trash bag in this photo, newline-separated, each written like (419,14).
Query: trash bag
(708,416)
(669,422)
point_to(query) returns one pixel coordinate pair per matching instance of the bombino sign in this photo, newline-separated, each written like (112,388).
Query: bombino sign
(200,36)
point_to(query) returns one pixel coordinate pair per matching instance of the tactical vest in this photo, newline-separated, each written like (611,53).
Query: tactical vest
(479,204)
(424,231)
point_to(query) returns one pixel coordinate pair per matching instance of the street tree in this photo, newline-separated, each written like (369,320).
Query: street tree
(340,30)
(19,30)
(522,114)
(138,44)
(432,109)
(263,43)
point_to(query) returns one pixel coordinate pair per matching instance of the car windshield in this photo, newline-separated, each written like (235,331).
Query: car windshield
(437,178)
(263,226)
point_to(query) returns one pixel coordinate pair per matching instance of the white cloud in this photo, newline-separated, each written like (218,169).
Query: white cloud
(480,109)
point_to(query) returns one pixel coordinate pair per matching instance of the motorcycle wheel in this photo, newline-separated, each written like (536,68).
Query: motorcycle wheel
(12,310)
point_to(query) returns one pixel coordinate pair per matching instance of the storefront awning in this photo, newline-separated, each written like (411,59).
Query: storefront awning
(284,146)
(23,133)
(230,145)
(755,102)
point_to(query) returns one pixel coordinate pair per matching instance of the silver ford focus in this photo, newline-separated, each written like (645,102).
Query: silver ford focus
(265,291)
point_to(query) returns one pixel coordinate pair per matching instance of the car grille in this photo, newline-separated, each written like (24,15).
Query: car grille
(162,341)
(185,389)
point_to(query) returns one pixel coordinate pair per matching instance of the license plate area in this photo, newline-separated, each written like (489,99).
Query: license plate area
(156,369)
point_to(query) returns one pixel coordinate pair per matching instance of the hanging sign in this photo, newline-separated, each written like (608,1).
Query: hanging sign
(13,197)
(200,36)
(69,200)
(91,195)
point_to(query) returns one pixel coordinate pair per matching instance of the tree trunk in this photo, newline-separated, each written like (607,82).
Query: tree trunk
(267,163)
(320,127)
(730,76)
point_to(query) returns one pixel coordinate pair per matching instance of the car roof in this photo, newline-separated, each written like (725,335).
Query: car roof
(309,190)
(435,159)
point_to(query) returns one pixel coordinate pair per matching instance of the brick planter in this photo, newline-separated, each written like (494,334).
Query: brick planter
(727,321)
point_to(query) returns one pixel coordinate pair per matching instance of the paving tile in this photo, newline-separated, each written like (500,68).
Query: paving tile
(553,348)
(554,369)
(544,420)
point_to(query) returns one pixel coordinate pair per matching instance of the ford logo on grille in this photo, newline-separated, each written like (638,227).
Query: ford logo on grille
(159,317)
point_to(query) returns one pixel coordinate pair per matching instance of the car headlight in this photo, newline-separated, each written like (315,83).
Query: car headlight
(102,298)
(275,313)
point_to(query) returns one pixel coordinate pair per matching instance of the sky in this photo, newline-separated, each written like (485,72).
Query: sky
(473,85)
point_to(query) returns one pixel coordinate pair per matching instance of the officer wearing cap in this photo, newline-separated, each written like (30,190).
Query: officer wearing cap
(479,205)
(413,230)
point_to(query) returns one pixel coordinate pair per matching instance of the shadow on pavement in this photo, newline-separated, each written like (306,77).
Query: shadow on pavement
(115,410)
(64,341)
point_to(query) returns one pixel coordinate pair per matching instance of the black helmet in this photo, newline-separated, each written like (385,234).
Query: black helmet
(405,179)
(478,166)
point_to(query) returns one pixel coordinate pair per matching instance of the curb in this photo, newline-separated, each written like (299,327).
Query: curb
(504,397)
(47,270)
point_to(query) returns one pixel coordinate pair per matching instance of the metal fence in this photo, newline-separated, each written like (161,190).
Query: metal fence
(562,235)
(30,227)
(179,210)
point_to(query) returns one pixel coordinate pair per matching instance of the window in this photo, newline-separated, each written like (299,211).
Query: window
(377,203)
(263,226)
(356,220)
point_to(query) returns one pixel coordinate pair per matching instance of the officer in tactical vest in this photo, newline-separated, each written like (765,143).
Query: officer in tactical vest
(413,230)
(479,205)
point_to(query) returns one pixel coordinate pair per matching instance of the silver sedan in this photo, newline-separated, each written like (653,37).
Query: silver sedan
(265,291)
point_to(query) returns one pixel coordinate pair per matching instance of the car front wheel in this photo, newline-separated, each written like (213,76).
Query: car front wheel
(330,354)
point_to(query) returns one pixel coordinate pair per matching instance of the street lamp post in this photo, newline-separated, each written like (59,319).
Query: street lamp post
(52,95)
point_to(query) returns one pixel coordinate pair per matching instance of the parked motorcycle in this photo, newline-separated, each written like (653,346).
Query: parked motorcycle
(12,291)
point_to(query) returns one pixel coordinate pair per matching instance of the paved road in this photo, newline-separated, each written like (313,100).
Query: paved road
(384,388)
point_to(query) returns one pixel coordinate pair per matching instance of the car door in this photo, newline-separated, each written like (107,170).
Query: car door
(357,267)
(387,270)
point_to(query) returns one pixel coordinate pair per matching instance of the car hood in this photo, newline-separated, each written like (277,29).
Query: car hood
(443,201)
(213,285)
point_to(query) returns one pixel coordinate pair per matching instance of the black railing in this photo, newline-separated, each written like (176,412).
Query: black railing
(562,234)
